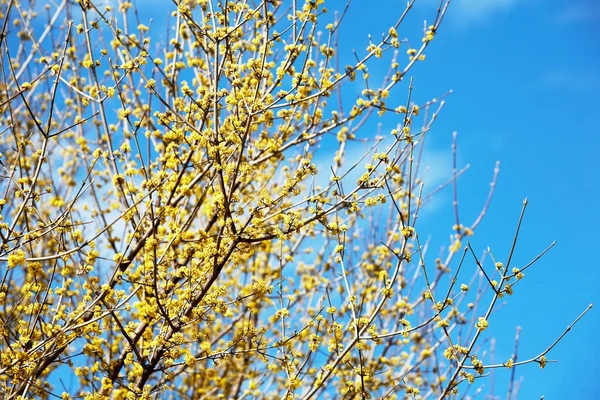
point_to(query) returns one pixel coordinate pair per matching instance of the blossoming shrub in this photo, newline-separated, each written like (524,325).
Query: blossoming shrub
(166,230)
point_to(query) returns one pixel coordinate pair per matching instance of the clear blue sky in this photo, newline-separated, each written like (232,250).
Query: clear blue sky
(525,77)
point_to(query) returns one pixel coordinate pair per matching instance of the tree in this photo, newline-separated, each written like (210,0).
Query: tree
(166,229)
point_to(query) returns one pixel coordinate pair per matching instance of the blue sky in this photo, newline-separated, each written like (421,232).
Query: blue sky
(525,77)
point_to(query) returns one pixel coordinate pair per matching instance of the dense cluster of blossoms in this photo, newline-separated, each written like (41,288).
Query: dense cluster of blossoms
(166,230)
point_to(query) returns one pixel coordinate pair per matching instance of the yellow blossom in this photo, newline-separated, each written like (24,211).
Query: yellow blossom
(481,324)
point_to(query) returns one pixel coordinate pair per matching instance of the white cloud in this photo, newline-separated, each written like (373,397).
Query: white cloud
(434,170)
(477,11)
(436,167)
(569,79)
